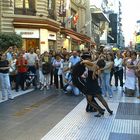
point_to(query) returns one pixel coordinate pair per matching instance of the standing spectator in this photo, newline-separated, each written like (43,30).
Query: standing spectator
(130,83)
(118,70)
(52,54)
(24,53)
(58,66)
(13,71)
(65,65)
(74,59)
(32,59)
(4,78)
(37,66)
(46,70)
(105,78)
(9,54)
(64,53)
(127,56)
(21,64)
(15,49)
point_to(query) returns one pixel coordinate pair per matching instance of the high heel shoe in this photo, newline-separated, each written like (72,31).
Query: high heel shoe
(103,110)
(110,112)
(99,114)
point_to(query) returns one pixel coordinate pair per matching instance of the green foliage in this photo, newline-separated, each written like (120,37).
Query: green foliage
(10,39)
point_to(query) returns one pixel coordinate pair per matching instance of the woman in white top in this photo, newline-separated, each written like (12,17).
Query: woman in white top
(58,67)
(131,65)
(105,76)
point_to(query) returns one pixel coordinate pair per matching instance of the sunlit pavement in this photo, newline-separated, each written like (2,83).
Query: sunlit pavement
(49,115)
(124,124)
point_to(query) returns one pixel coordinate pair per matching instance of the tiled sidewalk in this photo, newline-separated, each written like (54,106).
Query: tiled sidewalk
(124,124)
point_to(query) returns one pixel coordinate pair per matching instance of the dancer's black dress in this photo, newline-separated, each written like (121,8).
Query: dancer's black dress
(92,84)
(89,87)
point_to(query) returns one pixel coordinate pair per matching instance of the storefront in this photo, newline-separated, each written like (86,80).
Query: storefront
(37,33)
(51,40)
(30,38)
(72,40)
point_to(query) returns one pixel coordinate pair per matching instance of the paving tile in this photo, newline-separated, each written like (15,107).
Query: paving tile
(120,136)
(130,111)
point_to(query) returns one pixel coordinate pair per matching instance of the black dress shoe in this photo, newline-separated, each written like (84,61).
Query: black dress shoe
(99,114)
(16,90)
(23,89)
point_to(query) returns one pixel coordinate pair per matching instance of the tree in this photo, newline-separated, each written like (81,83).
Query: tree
(10,39)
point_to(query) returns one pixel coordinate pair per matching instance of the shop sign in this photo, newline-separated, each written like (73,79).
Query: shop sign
(27,33)
(51,35)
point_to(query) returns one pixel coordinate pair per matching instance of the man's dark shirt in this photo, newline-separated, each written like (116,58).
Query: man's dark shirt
(4,63)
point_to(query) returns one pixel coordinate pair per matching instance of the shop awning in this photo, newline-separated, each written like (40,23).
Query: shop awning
(87,40)
(74,37)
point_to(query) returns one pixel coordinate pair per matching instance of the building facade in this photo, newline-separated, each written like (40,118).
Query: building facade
(99,22)
(115,37)
(73,32)
(33,20)
(46,24)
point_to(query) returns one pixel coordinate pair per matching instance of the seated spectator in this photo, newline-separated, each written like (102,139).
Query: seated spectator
(69,87)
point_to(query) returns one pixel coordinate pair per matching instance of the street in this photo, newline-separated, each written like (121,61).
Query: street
(31,116)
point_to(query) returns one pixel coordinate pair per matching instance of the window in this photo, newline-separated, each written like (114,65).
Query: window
(25,7)
(51,9)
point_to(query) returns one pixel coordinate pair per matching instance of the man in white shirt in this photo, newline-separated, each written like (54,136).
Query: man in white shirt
(118,70)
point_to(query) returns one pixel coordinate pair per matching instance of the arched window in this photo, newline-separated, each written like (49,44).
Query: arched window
(25,7)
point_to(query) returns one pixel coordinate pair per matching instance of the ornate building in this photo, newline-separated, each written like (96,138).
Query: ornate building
(34,20)
(73,32)
(45,24)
